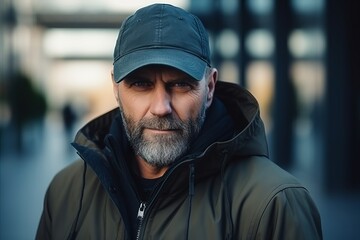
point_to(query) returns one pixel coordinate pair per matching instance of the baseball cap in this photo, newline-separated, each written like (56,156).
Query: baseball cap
(162,34)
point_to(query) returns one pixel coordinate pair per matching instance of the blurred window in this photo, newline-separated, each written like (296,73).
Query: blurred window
(100,5)
(260,7)
(307,6)
(307,43)
(228,43)
(229,71)
(79,43)
(201,6)
(260,43)
(229,7)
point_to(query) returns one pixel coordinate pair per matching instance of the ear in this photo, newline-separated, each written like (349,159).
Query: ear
(115,87)
(211,82)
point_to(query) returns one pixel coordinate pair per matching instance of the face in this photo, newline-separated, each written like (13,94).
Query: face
(163,109)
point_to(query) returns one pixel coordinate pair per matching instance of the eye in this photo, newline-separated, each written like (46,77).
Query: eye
(182,86)
(141,84)
(138,84)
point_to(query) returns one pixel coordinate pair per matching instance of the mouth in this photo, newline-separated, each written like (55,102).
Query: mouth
(160,131)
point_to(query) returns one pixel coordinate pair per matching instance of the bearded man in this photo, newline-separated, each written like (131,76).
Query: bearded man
(183,157)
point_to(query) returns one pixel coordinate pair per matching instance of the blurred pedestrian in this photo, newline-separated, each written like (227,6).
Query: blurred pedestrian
(69,118)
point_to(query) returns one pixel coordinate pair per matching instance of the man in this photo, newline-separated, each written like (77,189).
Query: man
(184,158)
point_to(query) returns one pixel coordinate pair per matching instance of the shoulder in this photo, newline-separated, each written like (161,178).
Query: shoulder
(75,195)
(269,198)
(257,180)
(67,185)
(71,170)
(70,176)
(259,173)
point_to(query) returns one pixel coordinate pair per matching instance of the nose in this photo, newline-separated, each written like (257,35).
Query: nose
(161,102)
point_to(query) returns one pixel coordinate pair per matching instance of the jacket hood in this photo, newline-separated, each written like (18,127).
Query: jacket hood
(248,136)
(248,133)
(103,145)
(240,104)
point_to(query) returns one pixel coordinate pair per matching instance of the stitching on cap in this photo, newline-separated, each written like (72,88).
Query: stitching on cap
(203,40)
(119,40)
(159,25)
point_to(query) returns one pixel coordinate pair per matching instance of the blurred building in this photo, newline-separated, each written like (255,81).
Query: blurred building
(298,57)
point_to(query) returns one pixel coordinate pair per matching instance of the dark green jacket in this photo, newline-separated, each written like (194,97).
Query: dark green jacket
(222,189)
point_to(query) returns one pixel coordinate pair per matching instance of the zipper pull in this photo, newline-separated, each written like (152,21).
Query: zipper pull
(141,210)
(140,217)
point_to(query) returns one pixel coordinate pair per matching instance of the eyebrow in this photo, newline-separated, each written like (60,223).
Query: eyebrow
(185,79)
(133,77)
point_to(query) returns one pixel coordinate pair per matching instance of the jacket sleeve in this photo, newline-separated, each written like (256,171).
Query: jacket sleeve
(61,203)
(43,231)
(289,214)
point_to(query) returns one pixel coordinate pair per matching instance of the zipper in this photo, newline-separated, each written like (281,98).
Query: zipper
(140,217)
(143,205)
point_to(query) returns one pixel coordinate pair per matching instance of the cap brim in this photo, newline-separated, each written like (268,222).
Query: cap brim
(178,59)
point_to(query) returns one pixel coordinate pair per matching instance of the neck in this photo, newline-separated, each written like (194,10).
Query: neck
(149,171)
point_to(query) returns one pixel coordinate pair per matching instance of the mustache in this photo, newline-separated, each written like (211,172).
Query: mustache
(164,123)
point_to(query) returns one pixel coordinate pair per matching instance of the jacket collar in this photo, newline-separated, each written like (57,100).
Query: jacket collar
(103,146)
(247,137)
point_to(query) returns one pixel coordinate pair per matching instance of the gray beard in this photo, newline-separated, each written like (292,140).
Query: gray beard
(162,150)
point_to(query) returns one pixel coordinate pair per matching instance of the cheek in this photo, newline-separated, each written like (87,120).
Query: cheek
(132,106)
(188,107)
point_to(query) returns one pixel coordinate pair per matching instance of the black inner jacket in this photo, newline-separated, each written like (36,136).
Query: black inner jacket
(217,127)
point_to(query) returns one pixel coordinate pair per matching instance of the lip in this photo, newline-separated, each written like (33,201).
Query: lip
(160,131)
